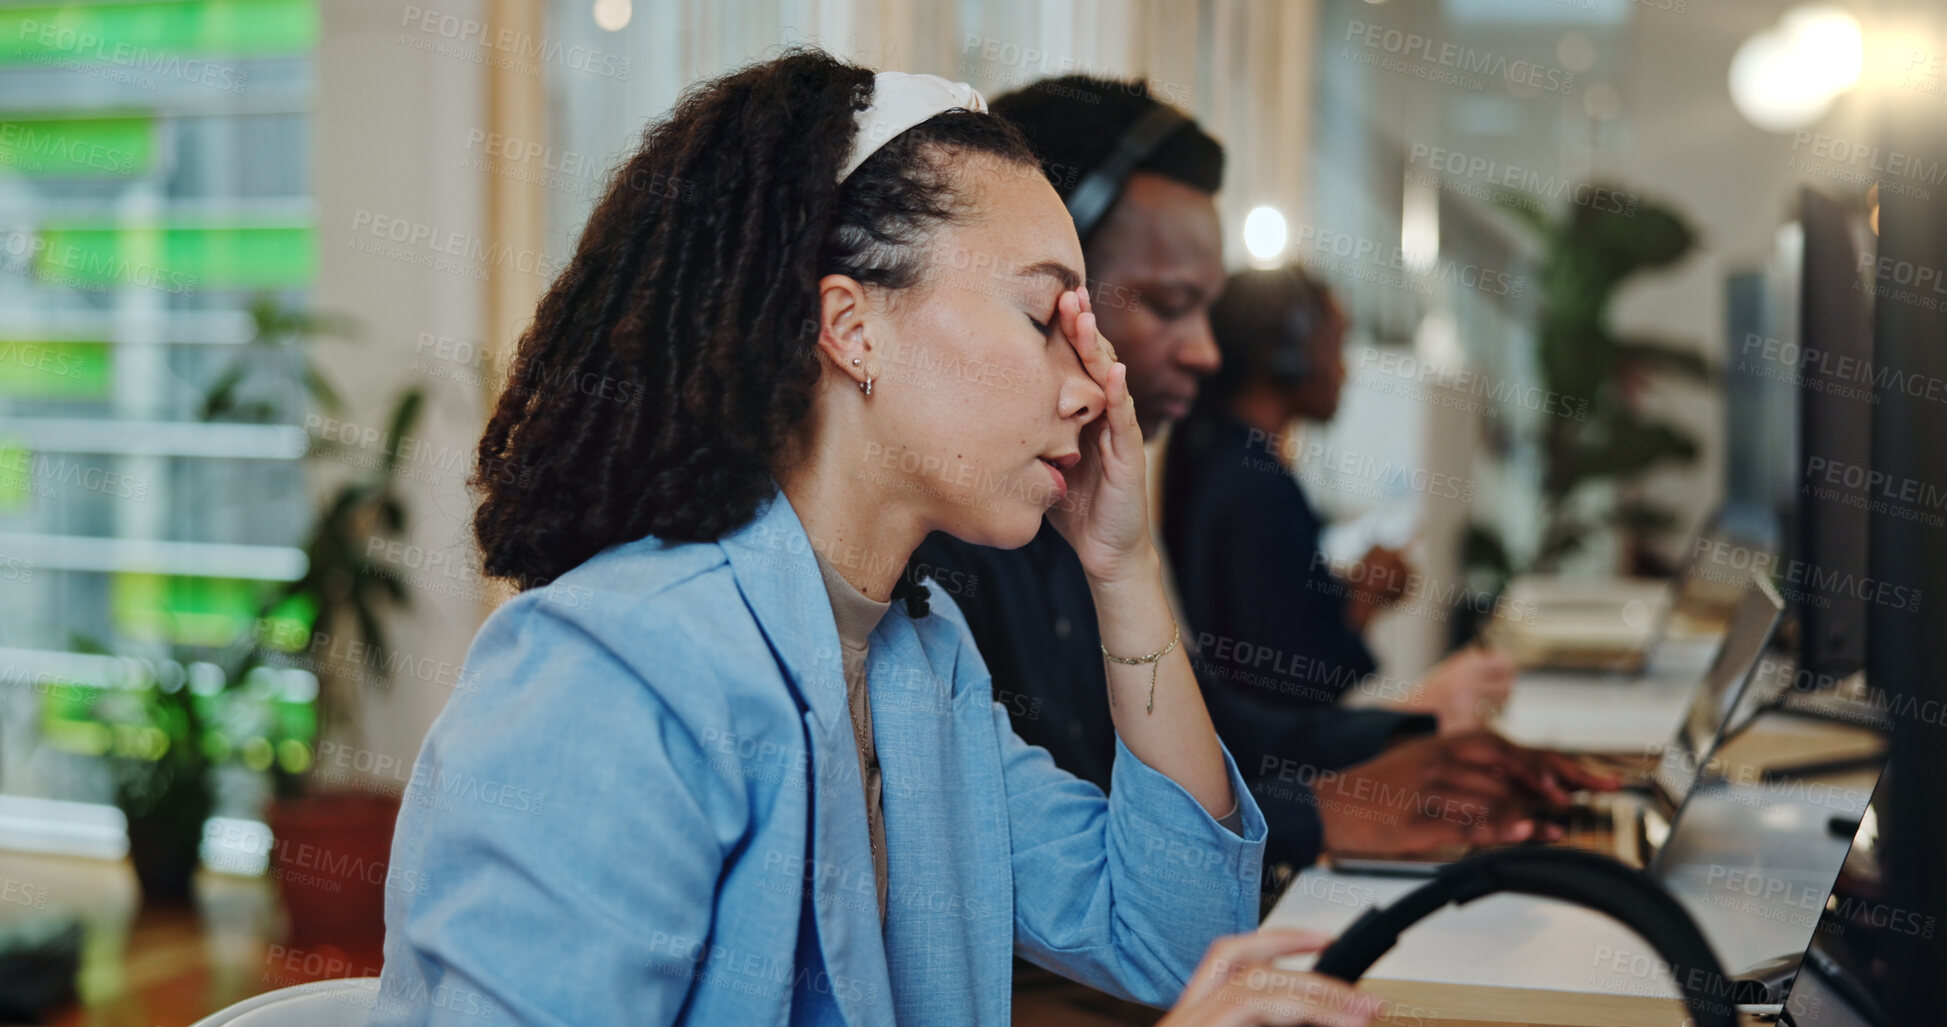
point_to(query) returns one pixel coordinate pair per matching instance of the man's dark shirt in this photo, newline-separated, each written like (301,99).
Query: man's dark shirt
(1034,621)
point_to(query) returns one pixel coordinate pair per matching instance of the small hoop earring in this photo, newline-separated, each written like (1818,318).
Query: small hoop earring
(866,385)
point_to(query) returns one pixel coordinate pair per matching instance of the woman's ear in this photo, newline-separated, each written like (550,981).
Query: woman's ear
(842,325)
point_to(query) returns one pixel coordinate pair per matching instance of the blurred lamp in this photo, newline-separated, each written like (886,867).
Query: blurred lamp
(1419,226)
(613,15)
(1264,234)
(1786,76)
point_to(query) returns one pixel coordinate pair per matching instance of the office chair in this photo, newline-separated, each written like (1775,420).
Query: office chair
(341,1003)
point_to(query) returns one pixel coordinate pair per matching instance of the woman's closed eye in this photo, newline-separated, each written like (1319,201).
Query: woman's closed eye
(1045,327)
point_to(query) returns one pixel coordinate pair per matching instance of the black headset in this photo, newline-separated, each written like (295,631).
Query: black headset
(1629,896)
(1280,349)
(1098,189)
(1290,360)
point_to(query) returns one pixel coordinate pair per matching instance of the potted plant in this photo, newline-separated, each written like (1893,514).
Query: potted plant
(188,709)
(164,724)
(148,729)
(1593,464)
(330,845)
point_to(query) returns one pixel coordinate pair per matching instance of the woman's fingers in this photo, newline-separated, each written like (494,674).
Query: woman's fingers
(1236,985)
(1122,441)
(1268,944)
(1078,324)
(1068,308)
(1125,436)
(1262,994)
(1287,999)
(1234,950)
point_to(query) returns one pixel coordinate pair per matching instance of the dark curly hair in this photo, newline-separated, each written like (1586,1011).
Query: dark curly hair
(669,365)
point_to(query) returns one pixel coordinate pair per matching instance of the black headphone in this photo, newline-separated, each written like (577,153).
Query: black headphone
(1098,189)
(1282,350)
(1291,360)
(1629,896)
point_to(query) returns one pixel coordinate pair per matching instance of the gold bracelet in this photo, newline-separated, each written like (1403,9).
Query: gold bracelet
(1176,633)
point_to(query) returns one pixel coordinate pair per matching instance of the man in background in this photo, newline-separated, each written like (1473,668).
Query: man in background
(1154,251)
(1244,543)
(1140,179)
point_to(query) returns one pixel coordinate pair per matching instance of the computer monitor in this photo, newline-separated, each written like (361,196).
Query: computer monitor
(1832,514)
(1760,453)
(1906,648)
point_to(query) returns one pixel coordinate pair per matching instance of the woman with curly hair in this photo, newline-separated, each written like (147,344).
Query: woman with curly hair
(818,314)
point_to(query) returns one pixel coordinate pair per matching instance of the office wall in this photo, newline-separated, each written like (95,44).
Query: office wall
(404,246)
(1238,65)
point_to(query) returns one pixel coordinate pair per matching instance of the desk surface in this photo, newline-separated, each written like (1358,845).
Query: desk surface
(1417,1004)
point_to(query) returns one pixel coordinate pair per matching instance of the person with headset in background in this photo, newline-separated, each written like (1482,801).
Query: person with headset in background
(1140,178)
(1243,540)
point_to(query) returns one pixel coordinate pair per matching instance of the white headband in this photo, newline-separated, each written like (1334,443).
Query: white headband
(901,100)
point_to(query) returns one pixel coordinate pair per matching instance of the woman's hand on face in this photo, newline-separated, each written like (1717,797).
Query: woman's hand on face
(1236,986)
(1105,515)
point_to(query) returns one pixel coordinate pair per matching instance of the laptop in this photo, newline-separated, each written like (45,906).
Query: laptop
(1634,823)
(1616,626)
(1576,625)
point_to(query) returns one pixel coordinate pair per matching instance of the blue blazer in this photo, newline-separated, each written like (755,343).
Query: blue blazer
(643,806)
